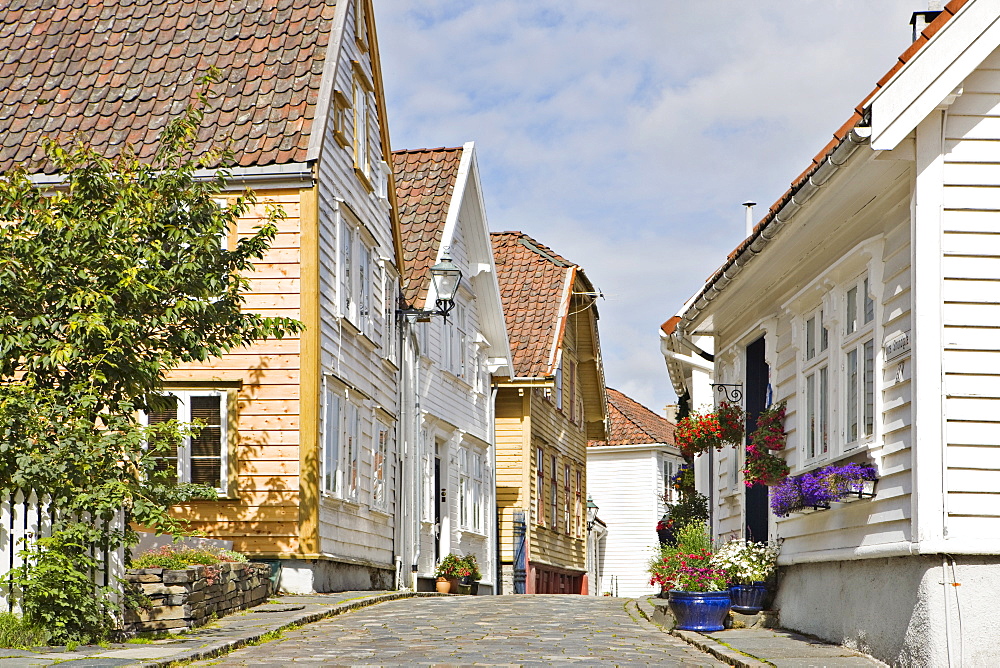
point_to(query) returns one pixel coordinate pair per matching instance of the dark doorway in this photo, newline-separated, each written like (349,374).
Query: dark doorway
(439,497)
(756,401)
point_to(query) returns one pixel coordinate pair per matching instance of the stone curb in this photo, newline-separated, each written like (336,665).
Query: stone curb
(213,650)
(704,643)
(718,650)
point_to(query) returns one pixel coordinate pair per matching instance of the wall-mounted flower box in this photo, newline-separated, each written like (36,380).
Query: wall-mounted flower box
(809,510)
(817,489)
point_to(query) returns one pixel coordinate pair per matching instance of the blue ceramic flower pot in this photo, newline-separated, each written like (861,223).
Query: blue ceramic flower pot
(699,610)
(748,599)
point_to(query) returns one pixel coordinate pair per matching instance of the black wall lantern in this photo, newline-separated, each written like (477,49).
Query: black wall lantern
(446,277)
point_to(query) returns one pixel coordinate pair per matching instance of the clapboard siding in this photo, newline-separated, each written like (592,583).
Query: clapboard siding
(630,512)
(355,529)
(971,308)
(266,449)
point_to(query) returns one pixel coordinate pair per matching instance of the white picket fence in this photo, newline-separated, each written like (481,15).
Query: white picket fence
(24,517)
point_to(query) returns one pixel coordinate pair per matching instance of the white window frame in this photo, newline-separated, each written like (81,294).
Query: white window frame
(348,303)
(478,486)
(333,429)
(380,466)
(389,334)
(540,484)
(362,157)
(817,386)
(567,481)
(554,491)
(352,452)
(184,455)
(858,349)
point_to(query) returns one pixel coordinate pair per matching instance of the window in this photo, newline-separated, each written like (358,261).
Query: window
(559,387)
(859,364)
(668,474)
(578,508)
(360,25)
(428,470)
(572,391)
(341,105)
(347,303)
(553,494)
(540,484)
(461,341)
(817,386)
(364,290)
(332,427)
(362,101)
(389,334)
(202,457)
(352,447)
(478,486)
(463,488)
(566,494)
(380,458)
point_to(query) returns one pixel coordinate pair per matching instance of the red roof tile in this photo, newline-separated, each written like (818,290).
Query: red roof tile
(533,283)
(425,183)
(949,10)
(117,70)
(634,424)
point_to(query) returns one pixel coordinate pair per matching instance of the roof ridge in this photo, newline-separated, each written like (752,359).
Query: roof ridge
(439,149)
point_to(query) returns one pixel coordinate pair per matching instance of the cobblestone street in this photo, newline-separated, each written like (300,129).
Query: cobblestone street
(484,630)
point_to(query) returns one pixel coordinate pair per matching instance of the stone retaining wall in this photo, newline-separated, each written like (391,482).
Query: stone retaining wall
(188,598)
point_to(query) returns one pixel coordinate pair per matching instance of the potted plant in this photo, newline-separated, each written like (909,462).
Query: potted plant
(817,489)
(468,575)
(698,432)
(748,566)
(447,573)
(697,593)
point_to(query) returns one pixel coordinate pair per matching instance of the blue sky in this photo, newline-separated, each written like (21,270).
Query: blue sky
(626,134)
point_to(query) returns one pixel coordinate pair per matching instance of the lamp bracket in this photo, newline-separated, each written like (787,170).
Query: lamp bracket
(732,392)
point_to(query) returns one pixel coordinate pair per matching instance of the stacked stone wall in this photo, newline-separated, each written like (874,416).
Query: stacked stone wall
(184,599)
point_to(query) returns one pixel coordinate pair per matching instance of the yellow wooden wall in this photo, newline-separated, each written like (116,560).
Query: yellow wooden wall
(262,515)
(511,474)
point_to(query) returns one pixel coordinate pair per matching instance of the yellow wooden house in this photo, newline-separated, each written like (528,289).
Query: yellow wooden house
(549,409)
(300,436)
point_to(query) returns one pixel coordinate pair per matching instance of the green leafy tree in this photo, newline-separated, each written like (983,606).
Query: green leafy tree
(106,282)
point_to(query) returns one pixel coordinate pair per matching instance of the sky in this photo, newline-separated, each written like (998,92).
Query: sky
(625,134)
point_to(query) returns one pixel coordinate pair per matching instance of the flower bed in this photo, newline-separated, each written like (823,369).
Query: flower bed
(188,597)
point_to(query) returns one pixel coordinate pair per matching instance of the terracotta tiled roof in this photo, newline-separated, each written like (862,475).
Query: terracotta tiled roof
(634,424)
(425,182)
(533,283)
(118,70)
(839,136)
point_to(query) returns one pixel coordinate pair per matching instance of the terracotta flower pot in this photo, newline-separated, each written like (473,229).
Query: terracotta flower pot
(443,585)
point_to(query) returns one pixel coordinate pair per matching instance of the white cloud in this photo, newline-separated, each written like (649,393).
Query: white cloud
(625,135)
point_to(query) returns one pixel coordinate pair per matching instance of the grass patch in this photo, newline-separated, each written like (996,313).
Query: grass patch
(15,633)
(149,638)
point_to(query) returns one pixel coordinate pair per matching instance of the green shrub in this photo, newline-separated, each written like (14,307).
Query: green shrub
(174,557)
(17,633)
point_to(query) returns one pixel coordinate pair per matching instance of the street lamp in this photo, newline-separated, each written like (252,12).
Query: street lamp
(446,276)
(591,512)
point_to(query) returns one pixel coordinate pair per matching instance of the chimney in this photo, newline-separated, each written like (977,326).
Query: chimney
(749,204)
(921,20)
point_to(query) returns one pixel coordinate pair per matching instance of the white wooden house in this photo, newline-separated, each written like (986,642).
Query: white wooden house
(640,449)
(303,451)
(867,299)
(449,448)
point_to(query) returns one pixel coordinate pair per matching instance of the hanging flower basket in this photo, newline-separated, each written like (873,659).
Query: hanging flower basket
(770,431)
(763,468)
(699,432)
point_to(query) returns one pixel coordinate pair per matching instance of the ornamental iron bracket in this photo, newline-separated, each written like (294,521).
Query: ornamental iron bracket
(732,392)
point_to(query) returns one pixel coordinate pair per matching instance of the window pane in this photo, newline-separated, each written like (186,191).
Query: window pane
(852,396)
(331,442)
(824,411)
(206,471)
(852,310)
(811,415)
(810,338)
(869,305)
(824,334)
(869,408)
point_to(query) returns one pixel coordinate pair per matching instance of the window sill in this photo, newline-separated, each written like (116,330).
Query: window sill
(335,500)
(365,181)
(380,512)
(473,533)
